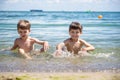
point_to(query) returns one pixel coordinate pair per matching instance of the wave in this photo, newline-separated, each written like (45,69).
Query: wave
(64,24)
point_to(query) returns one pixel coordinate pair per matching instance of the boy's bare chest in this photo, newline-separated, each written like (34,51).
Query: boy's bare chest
(74,46)
(25,44)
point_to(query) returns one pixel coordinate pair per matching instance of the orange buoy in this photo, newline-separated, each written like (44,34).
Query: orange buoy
(100,16)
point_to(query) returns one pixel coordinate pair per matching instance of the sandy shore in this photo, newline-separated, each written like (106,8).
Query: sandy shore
(60,76)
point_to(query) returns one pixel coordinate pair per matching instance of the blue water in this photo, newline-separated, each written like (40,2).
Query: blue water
(103,33)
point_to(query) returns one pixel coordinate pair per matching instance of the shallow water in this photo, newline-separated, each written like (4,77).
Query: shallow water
(104,34)
(11,62)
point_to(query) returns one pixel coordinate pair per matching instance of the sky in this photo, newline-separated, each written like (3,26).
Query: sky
(60,5)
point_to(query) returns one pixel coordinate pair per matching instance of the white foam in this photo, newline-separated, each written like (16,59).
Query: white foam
(104,55)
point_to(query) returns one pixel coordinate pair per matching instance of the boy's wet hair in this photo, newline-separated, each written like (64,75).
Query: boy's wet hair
(75,25)
(23,24)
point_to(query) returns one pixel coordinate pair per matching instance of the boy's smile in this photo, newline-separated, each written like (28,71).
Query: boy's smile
(74,33)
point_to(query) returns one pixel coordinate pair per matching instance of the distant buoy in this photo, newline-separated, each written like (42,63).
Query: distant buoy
(100,17)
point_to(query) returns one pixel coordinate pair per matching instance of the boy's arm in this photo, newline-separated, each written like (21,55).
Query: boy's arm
(60,46)
(15,45)
(44,43)
(88,47)
(58,51)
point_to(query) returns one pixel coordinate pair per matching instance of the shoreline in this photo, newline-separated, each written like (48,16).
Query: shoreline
(59,76)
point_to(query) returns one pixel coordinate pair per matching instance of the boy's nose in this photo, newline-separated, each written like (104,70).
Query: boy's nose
(22,33)
(75,34)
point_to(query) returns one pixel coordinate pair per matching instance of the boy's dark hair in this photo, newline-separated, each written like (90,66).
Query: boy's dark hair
(23,24)
(75,25)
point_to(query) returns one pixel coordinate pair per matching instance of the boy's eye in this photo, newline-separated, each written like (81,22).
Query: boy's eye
(25,31)
(20,31)
(72,31)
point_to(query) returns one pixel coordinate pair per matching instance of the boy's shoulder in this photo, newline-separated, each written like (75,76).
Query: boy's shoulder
(17,39)
(33,39)
(67,40)
(82,41)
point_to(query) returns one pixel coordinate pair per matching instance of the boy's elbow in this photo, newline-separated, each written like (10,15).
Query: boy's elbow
(45,42)
(12,49)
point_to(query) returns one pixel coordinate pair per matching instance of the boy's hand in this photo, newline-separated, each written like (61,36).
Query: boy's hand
(45,46)
(57,53)
(7,49)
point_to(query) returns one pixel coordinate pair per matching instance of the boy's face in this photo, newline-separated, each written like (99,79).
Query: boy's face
(74,33)
(23,33)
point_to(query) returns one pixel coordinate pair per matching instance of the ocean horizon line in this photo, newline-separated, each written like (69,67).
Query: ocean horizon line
(51,11)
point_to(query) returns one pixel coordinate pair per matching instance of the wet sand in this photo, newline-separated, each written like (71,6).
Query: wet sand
(60,76)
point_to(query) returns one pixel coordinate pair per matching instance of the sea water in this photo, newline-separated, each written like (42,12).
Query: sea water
(103,34)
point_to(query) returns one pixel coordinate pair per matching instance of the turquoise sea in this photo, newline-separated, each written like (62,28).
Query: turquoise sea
(52,26)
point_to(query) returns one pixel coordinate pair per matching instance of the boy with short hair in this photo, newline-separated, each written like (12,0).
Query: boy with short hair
(25,43)
(74,44)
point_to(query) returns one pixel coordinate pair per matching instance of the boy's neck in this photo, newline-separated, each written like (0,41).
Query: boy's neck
(74,40)
(25,38)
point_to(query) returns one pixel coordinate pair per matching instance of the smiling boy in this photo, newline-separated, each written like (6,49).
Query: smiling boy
(25,43)
(74,44)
